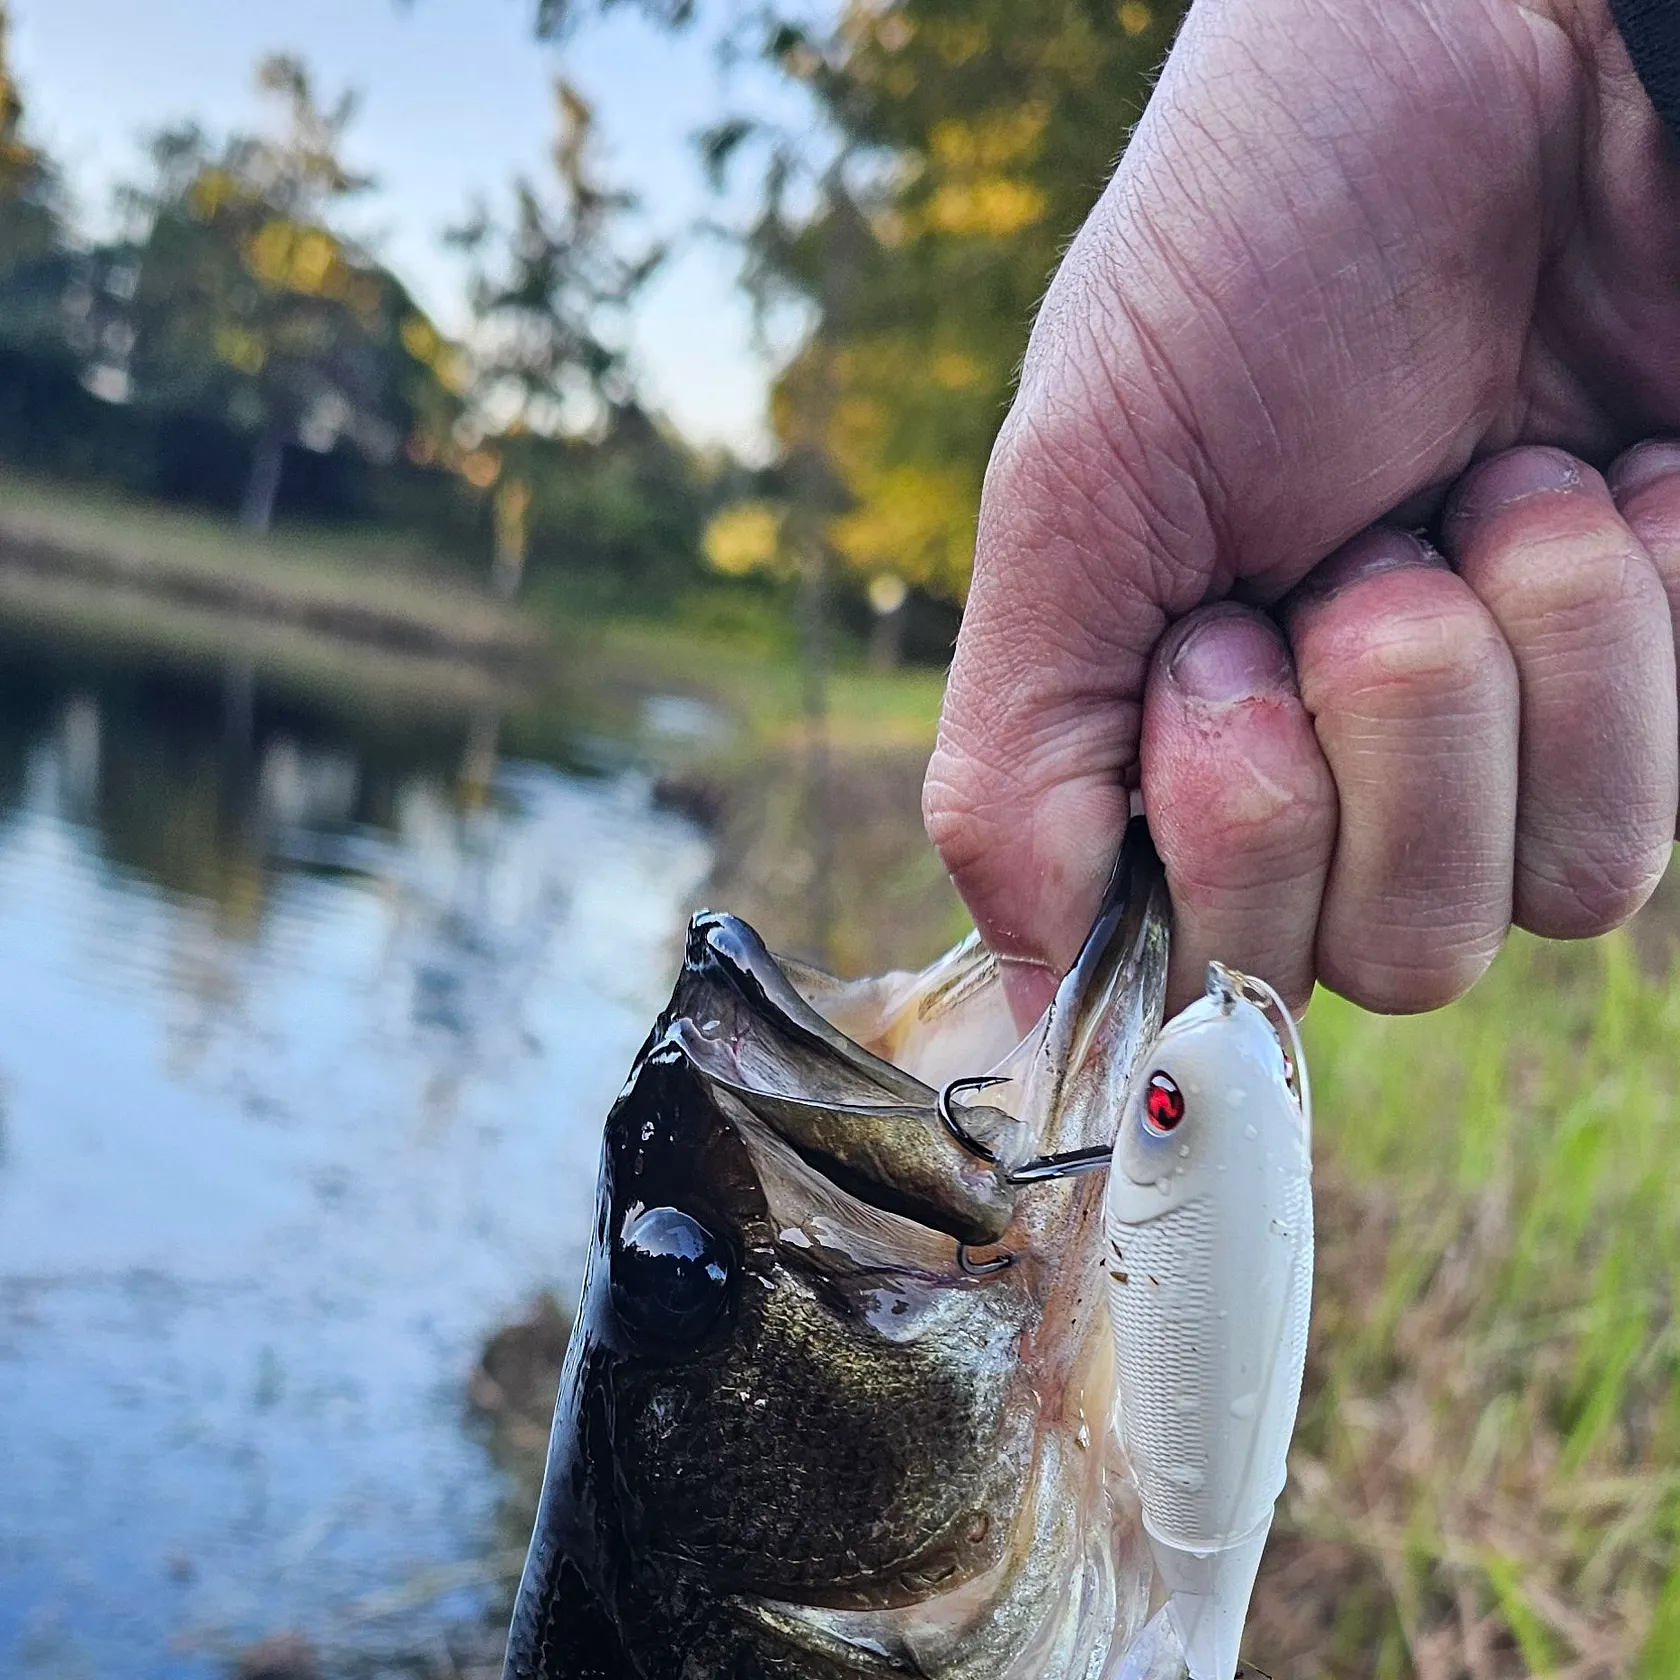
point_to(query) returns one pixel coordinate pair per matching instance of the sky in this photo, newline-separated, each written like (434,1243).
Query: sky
(457,98)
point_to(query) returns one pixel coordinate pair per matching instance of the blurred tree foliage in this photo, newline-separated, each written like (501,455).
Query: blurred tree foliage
(973,137)
(548,384)
(31,229)
(236,297)
(235,345)
(238,328)
(33,257)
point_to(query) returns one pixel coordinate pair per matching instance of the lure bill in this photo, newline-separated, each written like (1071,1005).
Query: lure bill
(1210,1258)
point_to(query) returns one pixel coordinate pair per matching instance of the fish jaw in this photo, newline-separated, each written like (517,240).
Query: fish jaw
(564,1623)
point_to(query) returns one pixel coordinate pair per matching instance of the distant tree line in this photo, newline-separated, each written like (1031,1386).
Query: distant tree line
(961,144)
(234,347)
(229,345)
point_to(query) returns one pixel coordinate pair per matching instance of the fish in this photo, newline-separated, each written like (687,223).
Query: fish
(838,1404)
(1209,1218)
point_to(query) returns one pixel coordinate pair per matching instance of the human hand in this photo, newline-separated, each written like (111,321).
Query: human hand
(1353,247)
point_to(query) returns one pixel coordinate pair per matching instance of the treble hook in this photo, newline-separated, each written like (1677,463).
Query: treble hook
(966,1263)
(1039,1170)
(954,1126)
(1042,1168)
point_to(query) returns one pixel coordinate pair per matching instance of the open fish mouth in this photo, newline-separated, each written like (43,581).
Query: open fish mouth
(800,1435)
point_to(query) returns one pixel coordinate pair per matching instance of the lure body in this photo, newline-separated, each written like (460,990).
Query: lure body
(1210,1258)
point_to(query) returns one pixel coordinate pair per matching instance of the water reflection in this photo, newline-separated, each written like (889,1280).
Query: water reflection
(306,1032)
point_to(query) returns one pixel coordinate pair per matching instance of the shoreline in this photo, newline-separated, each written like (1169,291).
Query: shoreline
(344,587)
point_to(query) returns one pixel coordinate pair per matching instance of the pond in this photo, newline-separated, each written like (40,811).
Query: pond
(308,1024)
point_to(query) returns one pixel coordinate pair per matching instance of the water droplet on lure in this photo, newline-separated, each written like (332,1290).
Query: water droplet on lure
(1236,1096)
(1251,1131)
(1245,1405)
(1188,1477)
(1164,1185)
(1184,1150)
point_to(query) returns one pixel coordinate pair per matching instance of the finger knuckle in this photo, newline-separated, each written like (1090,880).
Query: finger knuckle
(1423,658)
(1251,820)
(954,805)
(1565,592)
(1585,890)
(1407,981)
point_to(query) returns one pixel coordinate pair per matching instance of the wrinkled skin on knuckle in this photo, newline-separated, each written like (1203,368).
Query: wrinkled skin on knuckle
(1581,891)
(1029,845)
(1571,592)
(1409,985)
(1414,694)
(959,813)
(1427,659)
(1093,489)
(1595,825)
(1244,817)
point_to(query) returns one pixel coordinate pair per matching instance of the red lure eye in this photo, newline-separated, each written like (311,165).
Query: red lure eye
(1163,1103)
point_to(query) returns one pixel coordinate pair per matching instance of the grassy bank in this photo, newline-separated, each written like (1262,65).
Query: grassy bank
(380,591)
(1485,1483)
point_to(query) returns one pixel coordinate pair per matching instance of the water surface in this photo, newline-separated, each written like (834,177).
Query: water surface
(307,1028)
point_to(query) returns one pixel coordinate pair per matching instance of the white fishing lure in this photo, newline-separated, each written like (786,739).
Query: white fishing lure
(1210,1261)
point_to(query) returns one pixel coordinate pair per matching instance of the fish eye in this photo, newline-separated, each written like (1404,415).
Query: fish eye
(670,1276)
(1163,1104)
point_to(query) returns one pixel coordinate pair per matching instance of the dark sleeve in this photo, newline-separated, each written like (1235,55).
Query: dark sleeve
(1651,29)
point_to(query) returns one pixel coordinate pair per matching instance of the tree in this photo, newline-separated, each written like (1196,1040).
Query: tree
(544,370)
(32,249)
(964,142)
(235,296)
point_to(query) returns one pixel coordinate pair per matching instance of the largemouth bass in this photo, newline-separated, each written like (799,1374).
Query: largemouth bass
(838,1401)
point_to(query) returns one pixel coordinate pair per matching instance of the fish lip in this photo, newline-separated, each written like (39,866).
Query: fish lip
(947,1190)
(725,948)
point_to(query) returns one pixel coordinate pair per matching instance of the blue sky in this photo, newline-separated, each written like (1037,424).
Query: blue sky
(456,98)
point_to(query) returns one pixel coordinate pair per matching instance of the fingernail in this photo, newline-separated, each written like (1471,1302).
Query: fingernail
(1381,549)
(1229,656)
(1643,465)
(1513,477)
